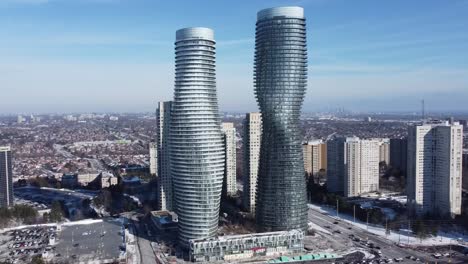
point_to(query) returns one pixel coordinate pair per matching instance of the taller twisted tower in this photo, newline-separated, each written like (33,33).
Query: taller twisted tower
(280,84)
(197,144)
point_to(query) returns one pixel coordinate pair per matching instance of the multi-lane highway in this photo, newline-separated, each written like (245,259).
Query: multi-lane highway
(342,232)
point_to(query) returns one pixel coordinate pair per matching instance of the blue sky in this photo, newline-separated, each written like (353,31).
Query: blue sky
(117,55)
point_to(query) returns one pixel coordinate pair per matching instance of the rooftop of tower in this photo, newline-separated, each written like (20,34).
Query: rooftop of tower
(284,11)
(5,148)
(195,33)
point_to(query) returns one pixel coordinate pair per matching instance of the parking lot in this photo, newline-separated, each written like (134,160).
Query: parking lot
(21,245)
(102,241)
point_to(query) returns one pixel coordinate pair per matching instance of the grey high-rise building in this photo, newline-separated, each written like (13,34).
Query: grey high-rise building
(6,176)
(197,143)
(280,85)
(335,164)
(398,154)
(165,190)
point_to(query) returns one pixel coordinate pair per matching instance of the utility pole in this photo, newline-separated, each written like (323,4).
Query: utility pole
(337,205)
(450,251)
(399,233)
(367,220)
(354,213)
(409,229)
(386,226)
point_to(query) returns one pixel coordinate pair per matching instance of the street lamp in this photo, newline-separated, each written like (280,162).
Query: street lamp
(354,212)
(337,206)
(367,220)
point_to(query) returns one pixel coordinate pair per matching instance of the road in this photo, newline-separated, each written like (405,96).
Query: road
(388,247)
(61,150)
(146,253)
(96,164)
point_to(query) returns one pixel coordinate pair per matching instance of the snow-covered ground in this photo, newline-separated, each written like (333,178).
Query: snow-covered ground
(71,223)
(318,228)
(402,237)
(134,198)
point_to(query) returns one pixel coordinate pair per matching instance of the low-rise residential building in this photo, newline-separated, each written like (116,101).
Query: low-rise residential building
(164,220)
(69,180)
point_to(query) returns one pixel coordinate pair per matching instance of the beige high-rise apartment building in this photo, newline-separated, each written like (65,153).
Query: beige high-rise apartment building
(353,166)
(252,139)
(434,181)
(230,170)
(384,150)
(315,157)
(163,119)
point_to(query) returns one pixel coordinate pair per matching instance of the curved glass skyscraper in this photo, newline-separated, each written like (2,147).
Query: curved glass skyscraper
(197,144)
(280,84)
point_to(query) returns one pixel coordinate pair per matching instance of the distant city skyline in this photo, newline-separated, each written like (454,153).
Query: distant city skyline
(116,55)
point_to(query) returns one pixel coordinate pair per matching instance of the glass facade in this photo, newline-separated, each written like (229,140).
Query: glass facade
(280,83)
(197,143)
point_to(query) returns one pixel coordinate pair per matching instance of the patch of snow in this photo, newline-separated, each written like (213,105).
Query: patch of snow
(318,228)
(134,198)
(70,223)
(403,237)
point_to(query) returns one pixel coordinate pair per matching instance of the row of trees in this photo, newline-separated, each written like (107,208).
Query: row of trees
(18,213)
(113,200)
(319,194)
(25,214)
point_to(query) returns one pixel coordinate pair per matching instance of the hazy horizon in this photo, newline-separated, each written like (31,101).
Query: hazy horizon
(118,55)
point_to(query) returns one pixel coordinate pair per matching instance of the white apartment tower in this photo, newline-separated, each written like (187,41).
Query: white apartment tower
(163,119)
(229,182)
(434,168)
(153,156)
(252,139)
(361,166)
(354,165)
(197,143)
(6,176)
